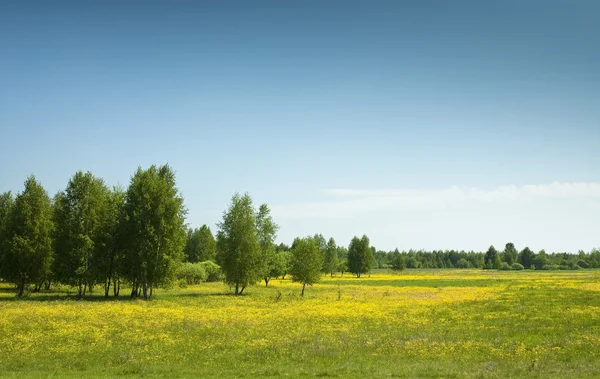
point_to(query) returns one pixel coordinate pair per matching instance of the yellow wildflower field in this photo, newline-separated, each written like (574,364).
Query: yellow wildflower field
(436,323)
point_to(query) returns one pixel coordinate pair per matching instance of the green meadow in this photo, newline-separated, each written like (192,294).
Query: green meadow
(435,323)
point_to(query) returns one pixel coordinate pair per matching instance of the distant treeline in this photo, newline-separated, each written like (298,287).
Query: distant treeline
(90,235)
(508,259)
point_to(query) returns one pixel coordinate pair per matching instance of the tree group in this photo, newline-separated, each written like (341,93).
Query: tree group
(92,235)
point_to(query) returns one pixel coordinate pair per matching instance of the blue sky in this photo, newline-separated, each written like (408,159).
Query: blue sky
(424,124)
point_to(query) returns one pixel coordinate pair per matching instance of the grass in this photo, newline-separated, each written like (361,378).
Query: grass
(437,323)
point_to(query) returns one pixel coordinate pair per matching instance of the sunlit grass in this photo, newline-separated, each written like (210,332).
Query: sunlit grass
(439,323)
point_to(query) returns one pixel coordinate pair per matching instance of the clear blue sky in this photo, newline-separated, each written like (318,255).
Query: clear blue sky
(422,111)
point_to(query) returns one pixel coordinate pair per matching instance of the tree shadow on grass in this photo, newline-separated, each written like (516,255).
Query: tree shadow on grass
(207,294)
(48,297)
(97,298)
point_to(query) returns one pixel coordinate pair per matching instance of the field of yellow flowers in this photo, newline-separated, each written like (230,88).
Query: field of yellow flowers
(438,323)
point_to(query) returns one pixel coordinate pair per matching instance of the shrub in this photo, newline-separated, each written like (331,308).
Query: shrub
(463,263)
(191,273)
(550,267)
(574,266)
(505,266)
(583,264)
(213,271)
(517,266)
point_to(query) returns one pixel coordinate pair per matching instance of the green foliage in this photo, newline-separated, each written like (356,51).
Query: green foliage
(517,266)
(330,262)
(109,257)
(239,252)
(192,273)
(153,228)
(200,245)
(526,257)
(285,260)
(213,271)
(510,253)
(81,215)
(491,259)
(6,204)
(540,260)
(583,264)
(398,261)
(360,256)
(463,263)
(266,231)
(505,266)
(27,236)
(343,266)
(549,267)
(307,262)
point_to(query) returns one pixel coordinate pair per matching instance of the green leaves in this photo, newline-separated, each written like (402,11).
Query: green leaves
(307,261)
(27,234)
(81,214)
(239,252)
(153,228)
(330,263)
(200,245)
(360,256)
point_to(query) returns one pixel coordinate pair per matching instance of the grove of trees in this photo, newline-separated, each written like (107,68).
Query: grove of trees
(91,235)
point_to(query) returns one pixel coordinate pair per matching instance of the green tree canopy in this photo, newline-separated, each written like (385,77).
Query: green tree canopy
(491,259)
(200,245)
(510,253)
(153,228)
(266,230)
(238,250)
(307,262)
(360,256)
(330,262)
(28,229)
(526,257)
(398,261)
(81,213)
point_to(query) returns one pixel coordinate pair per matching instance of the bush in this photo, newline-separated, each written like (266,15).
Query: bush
(191,273)
(463,263)
(505,266)
(583,264)
(574,266)
(550,267)
(517,266)
(213,271)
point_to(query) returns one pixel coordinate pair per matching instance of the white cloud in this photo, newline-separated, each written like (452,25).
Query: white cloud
(345,203)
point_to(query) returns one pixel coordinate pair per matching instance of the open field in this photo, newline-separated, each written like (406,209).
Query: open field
(442,323)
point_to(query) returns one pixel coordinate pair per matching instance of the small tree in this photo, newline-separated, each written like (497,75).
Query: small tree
(360,256)
(238,250)
(266,230)
(153,228)
(80,216)
(510,254)
(343,266)
(491,259)
(200,245)
(28,226)
(307,262)
(286,262)
(463,263)
(6,204)
(526,257)
(398,261)
(110,247)
(330,263)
